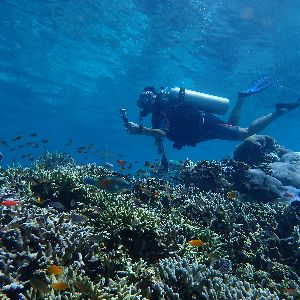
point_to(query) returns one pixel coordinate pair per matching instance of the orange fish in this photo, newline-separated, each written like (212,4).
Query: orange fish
(9,203)
(54,269)
(59,286)
(292,291)
(196,243)
(121,163)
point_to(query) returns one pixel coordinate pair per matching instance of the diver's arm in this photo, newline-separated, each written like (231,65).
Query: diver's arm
(134,128)
(156,133)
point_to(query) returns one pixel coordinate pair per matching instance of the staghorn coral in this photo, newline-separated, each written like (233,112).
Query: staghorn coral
(38,238)
(181,279)
(54,160)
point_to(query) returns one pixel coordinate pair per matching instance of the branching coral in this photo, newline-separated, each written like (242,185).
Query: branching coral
(180,279)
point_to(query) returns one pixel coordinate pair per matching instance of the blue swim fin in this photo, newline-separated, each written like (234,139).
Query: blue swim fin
(257,86)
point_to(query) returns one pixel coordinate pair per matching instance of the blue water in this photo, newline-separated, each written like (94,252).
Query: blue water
(67,67)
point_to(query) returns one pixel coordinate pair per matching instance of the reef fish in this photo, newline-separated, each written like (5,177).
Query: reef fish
(272,235)
(38,284)
(81,287)
(121,163)
(9,203)
(54,269)
(60,286)
(109,184)
(232,195)
(56,205)
(77,218)
(196,243)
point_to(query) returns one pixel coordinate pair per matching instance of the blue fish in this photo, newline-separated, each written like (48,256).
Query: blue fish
(109,184)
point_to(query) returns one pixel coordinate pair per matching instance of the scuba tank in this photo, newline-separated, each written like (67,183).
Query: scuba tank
(201,101)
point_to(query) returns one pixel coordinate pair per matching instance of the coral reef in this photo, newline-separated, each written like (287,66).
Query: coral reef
(136,244)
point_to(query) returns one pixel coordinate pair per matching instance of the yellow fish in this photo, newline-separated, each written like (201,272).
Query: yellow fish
(232,195)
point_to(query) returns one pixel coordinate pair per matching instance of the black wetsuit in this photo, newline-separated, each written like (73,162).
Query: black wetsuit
(187,126)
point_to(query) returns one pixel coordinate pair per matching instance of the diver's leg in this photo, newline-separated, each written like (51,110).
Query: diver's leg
(234,117)
(254,88)
(259,124)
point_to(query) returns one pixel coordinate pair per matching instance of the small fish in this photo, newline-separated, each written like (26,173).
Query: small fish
(81,287)
(109,184)
(1,157)
(59,286)
(121,163)
(38,284)
(90,146)
(54,269)
(77,218)
(4,143)
(56,205)
(38,200)
(272,235)
(146,191)
(213,256)
(292,291)
(45,141)
(17,138)
(96,209)
(33,134)
(232,195)
(148,164)
(288,195)
(15,224)
(9,203)
(196,243)
(72,203)
(69,142)
(95,238)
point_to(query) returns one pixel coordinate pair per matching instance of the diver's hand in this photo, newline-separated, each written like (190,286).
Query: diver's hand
(133,128)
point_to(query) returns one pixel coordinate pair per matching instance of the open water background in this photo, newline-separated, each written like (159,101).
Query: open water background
(67,67)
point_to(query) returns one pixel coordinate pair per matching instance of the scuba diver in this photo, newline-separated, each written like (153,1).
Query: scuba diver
(187,117)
